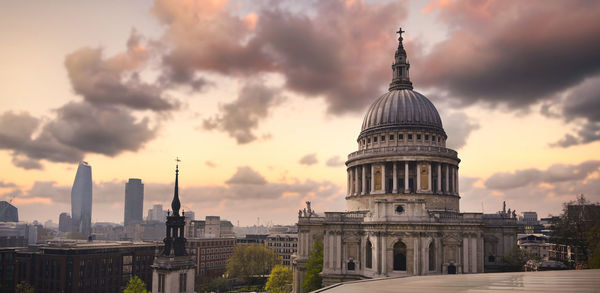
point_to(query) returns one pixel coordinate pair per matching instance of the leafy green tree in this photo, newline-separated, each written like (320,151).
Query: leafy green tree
(594,245)
(314,266)
(280,280)
(135,285)
(24,287)
(216,285)
(250,261)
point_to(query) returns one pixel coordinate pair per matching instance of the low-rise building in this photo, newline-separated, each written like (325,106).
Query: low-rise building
(211,255)
(76,266)
(17,234)
(535,245)
(285,245)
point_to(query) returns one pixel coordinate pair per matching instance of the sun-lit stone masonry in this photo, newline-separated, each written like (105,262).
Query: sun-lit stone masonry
(403,216)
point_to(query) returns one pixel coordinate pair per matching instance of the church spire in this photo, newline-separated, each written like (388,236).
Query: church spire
(400,79)
(176,204)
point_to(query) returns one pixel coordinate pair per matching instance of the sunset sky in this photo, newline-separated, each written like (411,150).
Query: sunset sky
(263,100)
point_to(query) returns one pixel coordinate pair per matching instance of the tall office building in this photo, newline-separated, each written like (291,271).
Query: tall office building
(81,200)
(8,212)
(134,201)
(64,222)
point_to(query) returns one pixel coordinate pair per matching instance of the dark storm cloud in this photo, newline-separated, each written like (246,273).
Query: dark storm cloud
(102,130)
(245,175)
(16,135)
(78,128)
(514,53)
(334,161)
(115,80)
(341,51)
(583,103)
(309,159)
(554,174)
(240,117)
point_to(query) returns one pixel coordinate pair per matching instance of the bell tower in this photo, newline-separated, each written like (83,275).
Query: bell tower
(174,270)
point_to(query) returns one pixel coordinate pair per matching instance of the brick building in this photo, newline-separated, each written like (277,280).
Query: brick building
(85,266)
(211,255)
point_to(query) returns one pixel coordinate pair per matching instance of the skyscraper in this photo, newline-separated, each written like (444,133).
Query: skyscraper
(64,222)
(134,201)
(81,199)
(8,212)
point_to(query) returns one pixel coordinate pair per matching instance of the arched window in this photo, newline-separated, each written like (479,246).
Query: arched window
(431,256)
(369,255)
(399,256)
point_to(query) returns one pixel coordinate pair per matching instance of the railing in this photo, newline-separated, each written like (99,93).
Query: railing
(357,216)
(412,150)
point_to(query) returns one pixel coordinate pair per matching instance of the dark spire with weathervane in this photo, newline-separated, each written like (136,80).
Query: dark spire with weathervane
(176,204)
(175,240)
(400,79)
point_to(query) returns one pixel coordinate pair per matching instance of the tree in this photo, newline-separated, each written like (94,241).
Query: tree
(314,266)
(250,261)
(280,280)
(135,285)
(575,228)
(216,285)
(516,258)
(24,287)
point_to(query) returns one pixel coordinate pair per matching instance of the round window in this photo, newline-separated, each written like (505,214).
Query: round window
(399,209)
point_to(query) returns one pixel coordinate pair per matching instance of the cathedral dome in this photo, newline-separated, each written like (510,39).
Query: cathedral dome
(402,108)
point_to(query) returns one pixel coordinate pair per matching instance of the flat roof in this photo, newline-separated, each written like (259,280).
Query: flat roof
(547,281)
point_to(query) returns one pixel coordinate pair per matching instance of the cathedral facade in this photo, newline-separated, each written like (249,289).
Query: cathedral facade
(403,215)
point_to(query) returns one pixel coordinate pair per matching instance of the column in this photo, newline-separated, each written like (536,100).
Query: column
(415,256)
(430,184)
(331,255)
(356,187)
(439,178)
(465,255)
(395,179)
(349,182)
(456,176)
(372,179)
(473,246)
(418,178)
(338,261)
(383,256)
(406,177)
(364,179)
(383,183)
(447,180)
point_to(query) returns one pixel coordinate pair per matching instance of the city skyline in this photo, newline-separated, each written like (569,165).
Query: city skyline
(263,107)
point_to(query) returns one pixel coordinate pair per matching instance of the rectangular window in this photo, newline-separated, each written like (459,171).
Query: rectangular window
(375,139)
(369,140)
(433,138)
(400,136)
(438,139)
(426,137)
(161,282)
(182,282)
(410,137)
(418,137)
(391,137)
(383,138)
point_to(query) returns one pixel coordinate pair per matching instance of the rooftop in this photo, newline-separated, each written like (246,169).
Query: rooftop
(547,281)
